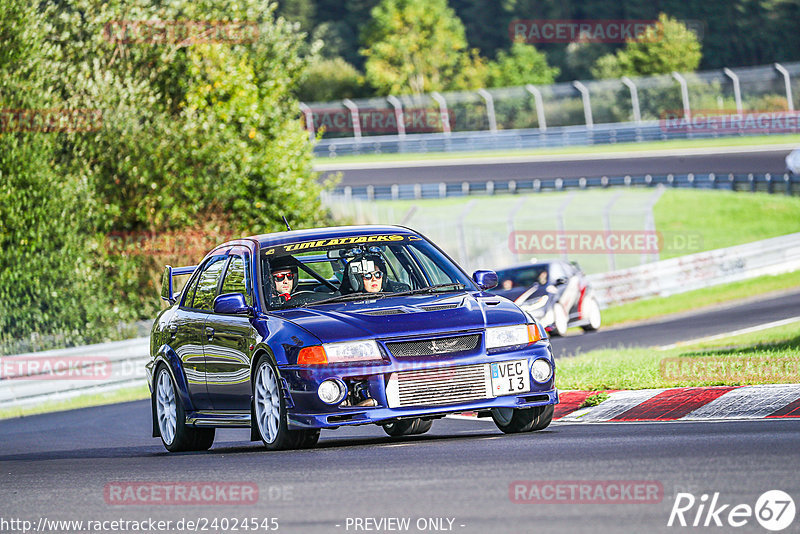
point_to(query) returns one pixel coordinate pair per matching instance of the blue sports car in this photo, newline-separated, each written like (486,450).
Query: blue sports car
(293,332)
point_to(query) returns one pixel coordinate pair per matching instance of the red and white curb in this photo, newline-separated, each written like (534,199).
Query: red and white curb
(681,404)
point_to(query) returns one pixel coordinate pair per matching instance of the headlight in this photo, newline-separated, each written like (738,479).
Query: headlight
(541,370)
(509,336)
(536,304)
(331,391)
(352,351)
(344,352)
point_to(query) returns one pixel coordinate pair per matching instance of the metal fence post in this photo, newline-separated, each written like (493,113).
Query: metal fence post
(587,103)
(788,82)
(511,215)
(637,112)
(398,114)
(487,98)
(445,114)
(309,121)
(349,104)
(612,263)
(650,220)
(687,111)
(462,241)
(737,93)
(537,98)
(560,219)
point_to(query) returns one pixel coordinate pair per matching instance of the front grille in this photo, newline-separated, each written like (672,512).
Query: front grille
(432,347)
(438,387)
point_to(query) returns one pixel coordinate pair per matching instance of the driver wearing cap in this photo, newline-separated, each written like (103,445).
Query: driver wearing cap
(284,277)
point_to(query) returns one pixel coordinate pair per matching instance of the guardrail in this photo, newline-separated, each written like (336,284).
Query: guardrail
(528,138)
(786,183)
(37,377)
(686,273)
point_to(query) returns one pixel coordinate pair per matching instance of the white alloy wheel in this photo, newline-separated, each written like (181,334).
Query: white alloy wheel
(267,402)
(591,311)
(560,321)
(166,407)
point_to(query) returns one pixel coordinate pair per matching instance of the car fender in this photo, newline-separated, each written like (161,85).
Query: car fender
(171,361)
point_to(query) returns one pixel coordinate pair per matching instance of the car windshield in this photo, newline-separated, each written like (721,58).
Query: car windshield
(522,277)
(352,269)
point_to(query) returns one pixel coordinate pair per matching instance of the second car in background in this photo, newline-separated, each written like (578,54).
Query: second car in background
(554,292)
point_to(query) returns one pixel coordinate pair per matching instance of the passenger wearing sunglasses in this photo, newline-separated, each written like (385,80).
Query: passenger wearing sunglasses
(373,281)
(365,275)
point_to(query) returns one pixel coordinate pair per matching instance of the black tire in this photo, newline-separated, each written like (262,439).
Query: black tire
(183,437)
(592,311)
(407,427)
(277,436)
(523,419)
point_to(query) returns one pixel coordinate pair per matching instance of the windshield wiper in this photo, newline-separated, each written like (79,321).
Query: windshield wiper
(352,296)
(452,286)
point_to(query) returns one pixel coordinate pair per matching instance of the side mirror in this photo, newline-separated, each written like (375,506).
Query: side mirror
(485,279)
(231,304)
(166,285)
(560,281)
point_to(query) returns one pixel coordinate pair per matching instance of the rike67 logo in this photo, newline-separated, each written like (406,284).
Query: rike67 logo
(774,510)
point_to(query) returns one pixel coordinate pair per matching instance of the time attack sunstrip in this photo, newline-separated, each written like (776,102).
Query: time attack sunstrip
(378,326)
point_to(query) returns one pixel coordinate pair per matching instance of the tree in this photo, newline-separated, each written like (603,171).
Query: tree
(419,46)
(668,47)
(47,284)
(331,79)
(522,65)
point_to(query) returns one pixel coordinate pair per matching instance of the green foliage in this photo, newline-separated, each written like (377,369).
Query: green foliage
(668,47)
(331,79)
(46,280)
(522,65)
(419,46)
(195,135)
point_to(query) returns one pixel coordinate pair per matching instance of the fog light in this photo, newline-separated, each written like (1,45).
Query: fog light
(331,391)
(541,370)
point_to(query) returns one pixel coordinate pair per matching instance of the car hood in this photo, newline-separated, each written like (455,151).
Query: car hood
(404,316)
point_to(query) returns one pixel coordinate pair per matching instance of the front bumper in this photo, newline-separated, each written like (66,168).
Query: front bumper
(306,410)
(381,414)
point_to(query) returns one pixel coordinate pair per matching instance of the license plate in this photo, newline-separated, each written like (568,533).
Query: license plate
(510,377)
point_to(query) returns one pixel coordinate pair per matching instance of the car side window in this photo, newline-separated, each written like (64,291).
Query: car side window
(236,280)
(207,284)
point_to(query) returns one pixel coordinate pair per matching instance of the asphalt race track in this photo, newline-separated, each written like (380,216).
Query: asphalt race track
(58,466)
(740,160)
(688,326)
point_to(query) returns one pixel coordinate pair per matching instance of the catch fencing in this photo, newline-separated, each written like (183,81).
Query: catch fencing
(729,102)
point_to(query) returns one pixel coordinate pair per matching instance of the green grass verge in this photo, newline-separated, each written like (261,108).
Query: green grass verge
(694,221)
(589,149)
(82,401)
(767,357)
(708,296)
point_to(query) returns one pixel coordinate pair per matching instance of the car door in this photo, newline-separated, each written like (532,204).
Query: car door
(229,340)
(188,330)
